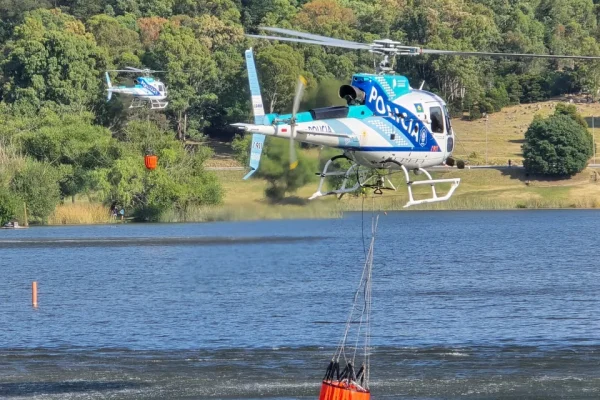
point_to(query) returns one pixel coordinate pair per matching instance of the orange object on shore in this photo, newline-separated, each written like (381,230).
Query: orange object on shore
(334,390)
(151,161)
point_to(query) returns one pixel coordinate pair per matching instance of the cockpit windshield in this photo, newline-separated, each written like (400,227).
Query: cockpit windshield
(437,120)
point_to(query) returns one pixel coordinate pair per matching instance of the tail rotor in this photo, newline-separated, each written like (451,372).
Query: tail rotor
(109,84)
(297,98)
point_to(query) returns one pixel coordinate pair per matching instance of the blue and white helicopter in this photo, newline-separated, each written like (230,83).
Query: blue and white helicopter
(387,125)
(146,91)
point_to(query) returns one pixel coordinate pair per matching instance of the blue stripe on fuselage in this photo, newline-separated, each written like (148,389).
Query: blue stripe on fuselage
(379,103)
(149,87)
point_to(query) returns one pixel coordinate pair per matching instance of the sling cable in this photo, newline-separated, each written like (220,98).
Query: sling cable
(350,384)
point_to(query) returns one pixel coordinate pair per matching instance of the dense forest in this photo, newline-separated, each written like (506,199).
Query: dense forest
(59,137)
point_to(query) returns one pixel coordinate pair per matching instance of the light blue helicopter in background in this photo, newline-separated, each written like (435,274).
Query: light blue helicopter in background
(146,91)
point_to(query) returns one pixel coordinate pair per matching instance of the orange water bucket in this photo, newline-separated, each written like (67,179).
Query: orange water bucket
(151,161)
(334,390)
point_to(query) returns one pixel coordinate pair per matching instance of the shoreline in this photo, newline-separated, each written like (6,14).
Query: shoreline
(326,213)
(479,190)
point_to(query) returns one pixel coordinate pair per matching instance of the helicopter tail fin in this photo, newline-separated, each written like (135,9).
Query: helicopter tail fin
(258,139)
(108,97)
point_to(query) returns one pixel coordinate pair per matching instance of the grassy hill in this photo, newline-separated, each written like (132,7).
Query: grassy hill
(506,131)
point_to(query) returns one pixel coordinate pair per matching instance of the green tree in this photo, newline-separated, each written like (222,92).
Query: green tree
(278,69)
(74,145)
(275,170)
(225,10)
(178,182)
(9,206)
(557,146)
(570,110)
(123,44)
(11,12)
(50,58)
(191,72)
(268,12)
(37,185)
(327,17)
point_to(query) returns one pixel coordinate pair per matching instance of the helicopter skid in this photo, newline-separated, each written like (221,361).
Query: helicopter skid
(429,181)
(342,190)
(366,179)
(154,104)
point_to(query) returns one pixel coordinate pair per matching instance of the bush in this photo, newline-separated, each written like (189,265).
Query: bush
(275,170)
(485,106)
(37,185)
(241,147)
(474,114)
(498,98)
(558,145)
(9,206)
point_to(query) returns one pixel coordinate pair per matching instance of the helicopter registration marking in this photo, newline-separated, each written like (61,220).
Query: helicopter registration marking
(320,128)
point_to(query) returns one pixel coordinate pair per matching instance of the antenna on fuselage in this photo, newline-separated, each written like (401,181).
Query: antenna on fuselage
(422,84)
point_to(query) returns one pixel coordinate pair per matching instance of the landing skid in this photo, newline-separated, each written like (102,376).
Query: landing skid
(154,104)
(366,179)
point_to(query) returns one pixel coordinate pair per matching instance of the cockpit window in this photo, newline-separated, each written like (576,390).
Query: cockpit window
(161,88)
(437,120)
(448,125)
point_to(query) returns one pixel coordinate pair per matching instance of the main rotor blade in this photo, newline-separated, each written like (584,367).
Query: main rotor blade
(131,70)
(293,158)
(308,35)
(479,53)
(357,46)
(299,92)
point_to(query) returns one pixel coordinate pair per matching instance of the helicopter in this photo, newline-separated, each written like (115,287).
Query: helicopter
(147,90)
(386,127)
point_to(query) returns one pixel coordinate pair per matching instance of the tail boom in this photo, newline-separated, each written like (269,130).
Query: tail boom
(284,131)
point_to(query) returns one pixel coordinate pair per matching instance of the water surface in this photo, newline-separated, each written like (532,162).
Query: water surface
(478,305)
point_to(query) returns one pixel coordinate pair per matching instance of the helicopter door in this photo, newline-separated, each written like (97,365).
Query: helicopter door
(161,89)
(437,119)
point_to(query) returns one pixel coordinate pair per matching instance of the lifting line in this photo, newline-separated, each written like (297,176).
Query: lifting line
(360,316)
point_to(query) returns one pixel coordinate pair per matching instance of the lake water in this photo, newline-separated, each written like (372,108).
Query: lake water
(466,305)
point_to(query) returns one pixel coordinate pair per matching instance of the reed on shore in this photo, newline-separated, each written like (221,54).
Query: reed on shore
(80,213)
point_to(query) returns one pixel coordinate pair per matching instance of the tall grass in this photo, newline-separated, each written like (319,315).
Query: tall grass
(251,212)
(80,213)
(11,160)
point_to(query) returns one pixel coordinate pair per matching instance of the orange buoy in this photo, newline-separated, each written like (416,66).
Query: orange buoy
(151,161)
(34,301)
(335,390)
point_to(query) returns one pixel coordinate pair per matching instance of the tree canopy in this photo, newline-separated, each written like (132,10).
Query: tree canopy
(559,145)
(53,54)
